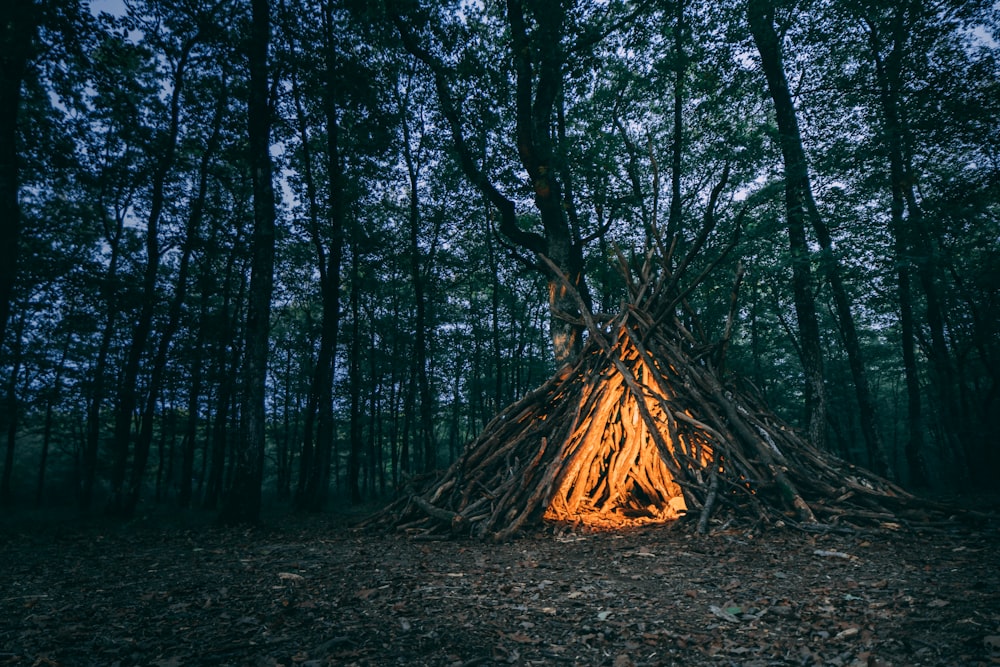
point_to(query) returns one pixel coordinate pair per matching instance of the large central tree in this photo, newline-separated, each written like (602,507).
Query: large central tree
(538,55)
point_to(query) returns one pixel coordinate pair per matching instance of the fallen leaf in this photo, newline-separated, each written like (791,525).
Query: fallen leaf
(723,614)
(366,593)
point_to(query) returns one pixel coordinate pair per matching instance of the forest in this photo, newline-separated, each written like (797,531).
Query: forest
(298,253)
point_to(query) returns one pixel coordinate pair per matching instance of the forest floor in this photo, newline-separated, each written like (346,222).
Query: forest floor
(314,592)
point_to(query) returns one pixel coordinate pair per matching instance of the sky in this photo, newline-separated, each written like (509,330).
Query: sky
(114,7)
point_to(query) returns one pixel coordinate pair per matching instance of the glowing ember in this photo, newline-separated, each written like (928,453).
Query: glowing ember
(613,473)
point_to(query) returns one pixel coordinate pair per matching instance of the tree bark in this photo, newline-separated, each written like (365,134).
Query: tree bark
(354,378)
(411,158)
(242,503)
(18,24)
(887,74)
(121,503)
(228,347)
(677,144)
(538,63)
(761,19)
(12,405)
(51,399)
(95,400)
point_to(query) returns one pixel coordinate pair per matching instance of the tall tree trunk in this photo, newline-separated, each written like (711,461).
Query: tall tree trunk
(330,278)
(95,400)
(243,500)
(18,24)
(50,402)
(314,480)
(761,19)
(677,144)
(121,502)
(12,412)
(228,346)
(305,490)
(493,267)
(283,455)
(426,425)
(888,82)
(171,326)
(538,62)
(538,86)
(196,355)
(354,378)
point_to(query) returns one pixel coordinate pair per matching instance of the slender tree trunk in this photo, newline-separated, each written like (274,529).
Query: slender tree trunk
(426,424)
(121,502)
(53,397)
(946,387)
(225,368)
(394,396)
(221,425)
(376,418)
(305,488)
(761,19)
(12,406)
(18,24)
(331,279)
(170,328)
(538,85)
(283,463)
(314,481)
(493,266)
(95,401)
(677,145)
(354,379)
(243,500)
(372,410)
(902,244)
(196,354)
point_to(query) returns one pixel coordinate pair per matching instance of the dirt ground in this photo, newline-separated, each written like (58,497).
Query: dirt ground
(313,592)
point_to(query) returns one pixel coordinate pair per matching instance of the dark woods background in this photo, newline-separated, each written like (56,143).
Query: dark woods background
(284,251)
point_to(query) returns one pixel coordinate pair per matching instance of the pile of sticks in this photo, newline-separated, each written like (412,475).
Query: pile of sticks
(642,428)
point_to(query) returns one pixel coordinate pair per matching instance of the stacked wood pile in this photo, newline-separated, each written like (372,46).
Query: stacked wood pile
(642,429)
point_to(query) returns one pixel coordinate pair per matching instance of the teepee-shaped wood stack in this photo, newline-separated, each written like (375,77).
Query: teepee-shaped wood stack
(642,429)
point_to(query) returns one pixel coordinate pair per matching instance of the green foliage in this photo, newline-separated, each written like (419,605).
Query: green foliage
(94,120)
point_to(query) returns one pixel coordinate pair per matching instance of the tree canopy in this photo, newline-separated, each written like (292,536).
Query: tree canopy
(294,250)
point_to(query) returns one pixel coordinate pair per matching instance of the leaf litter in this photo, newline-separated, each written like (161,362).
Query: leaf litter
(312,593)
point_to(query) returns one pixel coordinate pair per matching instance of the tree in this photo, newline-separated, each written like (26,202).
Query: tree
(760,14)
(327,236)
(800,205)
(538,33)
(18,25)
(164,148)
(243,499)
